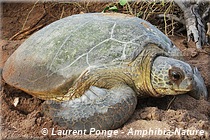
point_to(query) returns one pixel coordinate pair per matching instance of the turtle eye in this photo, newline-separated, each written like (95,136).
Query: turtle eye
(175,76)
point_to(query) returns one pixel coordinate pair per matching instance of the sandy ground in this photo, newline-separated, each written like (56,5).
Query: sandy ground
(26,120)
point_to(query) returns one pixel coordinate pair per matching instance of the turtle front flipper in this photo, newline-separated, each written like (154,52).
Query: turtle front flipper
(97,108)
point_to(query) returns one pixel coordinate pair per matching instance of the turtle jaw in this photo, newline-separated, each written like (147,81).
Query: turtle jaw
(164,86)
(185,86)
(181,91)
(171,91)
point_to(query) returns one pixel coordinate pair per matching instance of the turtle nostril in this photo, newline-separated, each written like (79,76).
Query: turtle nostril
(190,78)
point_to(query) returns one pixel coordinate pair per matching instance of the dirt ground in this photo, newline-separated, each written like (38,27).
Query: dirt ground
(25,120)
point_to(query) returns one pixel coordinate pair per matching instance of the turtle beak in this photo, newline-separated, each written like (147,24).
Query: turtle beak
(199,89)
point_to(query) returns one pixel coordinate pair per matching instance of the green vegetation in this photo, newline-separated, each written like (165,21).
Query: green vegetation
(165,12)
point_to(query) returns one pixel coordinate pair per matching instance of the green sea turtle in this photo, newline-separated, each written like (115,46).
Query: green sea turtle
(90,69)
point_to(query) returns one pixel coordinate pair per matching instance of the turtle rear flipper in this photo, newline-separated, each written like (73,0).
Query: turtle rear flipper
(98,108)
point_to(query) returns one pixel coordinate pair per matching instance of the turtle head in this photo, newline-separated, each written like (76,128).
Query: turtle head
(160,75)
(171,77)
